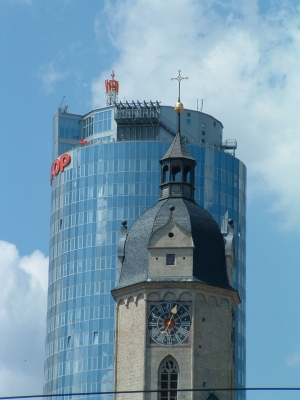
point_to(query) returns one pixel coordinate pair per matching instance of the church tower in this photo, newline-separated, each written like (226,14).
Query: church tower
(175,303)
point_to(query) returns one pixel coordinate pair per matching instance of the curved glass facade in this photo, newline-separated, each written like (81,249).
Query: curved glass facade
(104,184)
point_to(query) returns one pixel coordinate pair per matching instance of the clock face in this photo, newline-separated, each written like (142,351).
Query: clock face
(169,323)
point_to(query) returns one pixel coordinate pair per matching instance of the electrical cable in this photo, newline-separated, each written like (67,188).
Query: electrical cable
(211,390)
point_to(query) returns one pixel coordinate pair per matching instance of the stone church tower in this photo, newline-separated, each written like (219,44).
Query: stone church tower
(175,303)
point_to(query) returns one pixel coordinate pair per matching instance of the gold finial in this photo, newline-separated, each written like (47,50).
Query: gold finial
(179,107)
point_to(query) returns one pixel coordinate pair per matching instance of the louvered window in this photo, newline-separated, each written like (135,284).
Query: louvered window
(168,375)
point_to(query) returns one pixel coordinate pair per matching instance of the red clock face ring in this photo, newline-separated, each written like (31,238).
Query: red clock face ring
(169,323)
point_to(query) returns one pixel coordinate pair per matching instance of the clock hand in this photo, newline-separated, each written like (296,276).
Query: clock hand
(173,311)
(165,332)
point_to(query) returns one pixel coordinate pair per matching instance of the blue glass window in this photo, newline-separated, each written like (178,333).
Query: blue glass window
(102,121)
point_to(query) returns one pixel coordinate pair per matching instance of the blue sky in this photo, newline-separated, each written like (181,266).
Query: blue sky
(242,58)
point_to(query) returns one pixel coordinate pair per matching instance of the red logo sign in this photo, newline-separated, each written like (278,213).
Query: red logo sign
(59,165)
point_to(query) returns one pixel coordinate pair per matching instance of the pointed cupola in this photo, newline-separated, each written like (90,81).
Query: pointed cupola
(177,165)
(177,171)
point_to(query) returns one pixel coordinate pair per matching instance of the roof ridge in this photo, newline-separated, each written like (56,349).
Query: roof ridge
(177,149)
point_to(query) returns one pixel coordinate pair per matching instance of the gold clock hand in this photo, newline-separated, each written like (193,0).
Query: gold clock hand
(173,311)
(165,332)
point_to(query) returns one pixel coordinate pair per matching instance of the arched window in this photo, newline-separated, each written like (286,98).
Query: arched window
(168,379)
(175,172)
(187,173)
(165,173)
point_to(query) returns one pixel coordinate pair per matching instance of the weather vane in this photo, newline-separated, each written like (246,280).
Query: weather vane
(179,106)
(179,79)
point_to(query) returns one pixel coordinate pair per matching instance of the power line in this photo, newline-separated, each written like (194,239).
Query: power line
(149,391)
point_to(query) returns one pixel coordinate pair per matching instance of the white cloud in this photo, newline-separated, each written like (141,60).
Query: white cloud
(23,292)
(50,76)
(293,359)
(244,65)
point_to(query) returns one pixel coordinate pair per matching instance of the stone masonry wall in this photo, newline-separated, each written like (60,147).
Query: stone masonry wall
(130,349)
(205,363)
(213,346)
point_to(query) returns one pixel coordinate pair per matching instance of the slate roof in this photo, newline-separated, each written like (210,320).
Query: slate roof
(209,265)
(177,149)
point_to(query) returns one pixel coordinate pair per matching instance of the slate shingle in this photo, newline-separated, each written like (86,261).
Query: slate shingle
(177,149)
(209,264)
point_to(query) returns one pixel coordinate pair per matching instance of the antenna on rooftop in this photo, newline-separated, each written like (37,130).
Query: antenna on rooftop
(112,90)
(61,109)
(62,102)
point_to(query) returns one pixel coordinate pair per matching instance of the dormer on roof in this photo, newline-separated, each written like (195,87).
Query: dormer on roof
(171,250)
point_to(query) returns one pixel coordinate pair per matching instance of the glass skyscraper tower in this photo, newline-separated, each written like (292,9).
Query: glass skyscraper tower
(106,169)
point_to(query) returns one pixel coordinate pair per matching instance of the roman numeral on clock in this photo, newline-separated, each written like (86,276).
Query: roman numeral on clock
(160,310)
(155,332)
(184,315)
(160,338)
(169,340)
(183,332)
